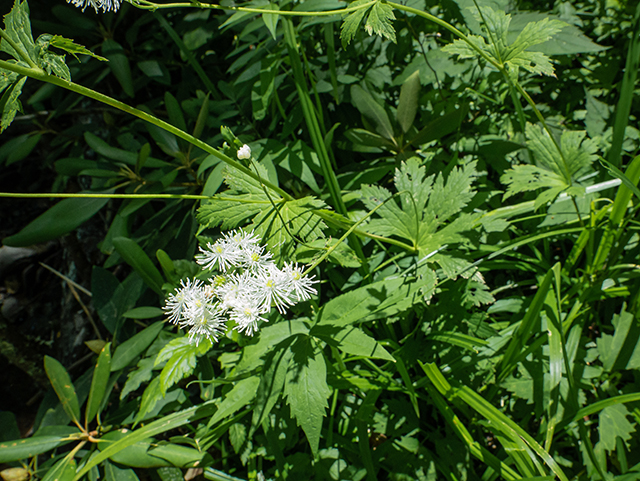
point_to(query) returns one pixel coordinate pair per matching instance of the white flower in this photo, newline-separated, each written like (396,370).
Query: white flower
(177,303)
(223,253)
(270,286)
(105,5)
(301,285)
(211,323)
(244,152)
(246,316)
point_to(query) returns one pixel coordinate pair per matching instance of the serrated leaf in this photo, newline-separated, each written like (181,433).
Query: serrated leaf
(181,357)
(68,45)
(622,349)
(135,378)
(9,103)
(614,423)
(307,391)
(352,341)
(242,394)
(237,436)
(511,56)
(273,218)
(558,169)
(351,23)
(379,21)
(18,29)
(426,206)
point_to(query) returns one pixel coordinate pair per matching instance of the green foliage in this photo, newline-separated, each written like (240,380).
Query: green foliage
(477,295)
(379,17)
(560,166)
(494,43)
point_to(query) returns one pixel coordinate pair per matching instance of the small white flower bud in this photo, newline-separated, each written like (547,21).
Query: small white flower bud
(244,152)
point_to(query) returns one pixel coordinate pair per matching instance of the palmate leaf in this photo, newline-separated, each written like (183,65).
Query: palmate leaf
(558,169)
(274,219)
(378,21)
(426,206)
(514,56)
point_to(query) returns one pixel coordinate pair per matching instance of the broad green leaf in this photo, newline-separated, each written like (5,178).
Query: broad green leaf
(379,21)
(352,21)
(622,349)
(408,101)
(132,348)
(133,255)
(8,426)
(271,385)
(136,377)
(306,389)
(150,397)
(63,387)
(59,220)
(380,299)
(614,423)
(99,383)
(352,341)
(147,453)
(119,65)
(147,312)
(180,356)
(111,471)
(268,339)
(372,111)
(362,137)
(271,19)
(27,448)
(111,298)
(113,153)
(243,392)
(9,103)
(237,436)
(63,470)
(19,148)
(18,29)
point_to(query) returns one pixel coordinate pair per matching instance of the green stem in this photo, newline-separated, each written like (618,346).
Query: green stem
(145,5)
(42,76)
(17,48)
(104,196)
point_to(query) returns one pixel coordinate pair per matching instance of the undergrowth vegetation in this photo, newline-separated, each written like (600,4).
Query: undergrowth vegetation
(440,200)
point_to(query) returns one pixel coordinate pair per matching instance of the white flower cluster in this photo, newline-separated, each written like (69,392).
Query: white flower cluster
(105,5)
(249,285)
